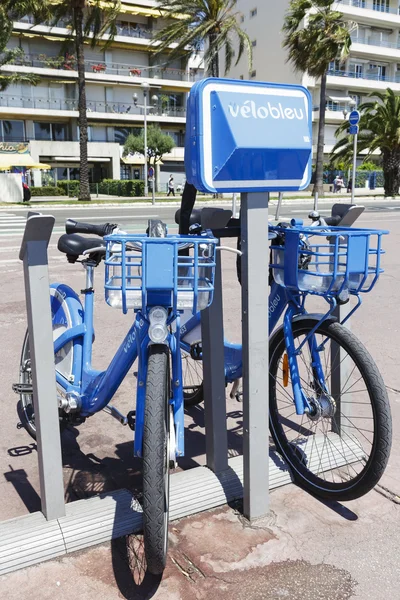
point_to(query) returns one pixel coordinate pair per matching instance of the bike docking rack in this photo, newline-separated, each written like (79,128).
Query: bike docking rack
(63,528)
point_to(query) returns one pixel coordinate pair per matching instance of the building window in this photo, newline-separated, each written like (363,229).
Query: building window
(242,18)
(253,74)
(254,43)
(12,131)
(53,132)
(253,13)
(356,98)
(125,172)
(67,173)
(381,5)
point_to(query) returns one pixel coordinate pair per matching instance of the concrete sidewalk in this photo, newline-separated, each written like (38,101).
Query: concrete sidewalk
(304,549)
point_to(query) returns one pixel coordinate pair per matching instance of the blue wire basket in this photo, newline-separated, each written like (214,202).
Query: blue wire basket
(327,261)
(146,271)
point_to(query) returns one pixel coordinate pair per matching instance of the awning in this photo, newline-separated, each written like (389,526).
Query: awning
(144,11)
(136,159)
(340,99)
(77,159)
(7,161)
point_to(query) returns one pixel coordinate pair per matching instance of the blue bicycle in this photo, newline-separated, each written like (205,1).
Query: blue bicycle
(329,411)
(152,276)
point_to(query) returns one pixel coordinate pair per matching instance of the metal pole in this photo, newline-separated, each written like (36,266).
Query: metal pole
(212,334)
(255,333)
(341,365)
(146,182)
(33,253)
(279,205)
(353,187)
(316,201)
(234,205)
(153,191)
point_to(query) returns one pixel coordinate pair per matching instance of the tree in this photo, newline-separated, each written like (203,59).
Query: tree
(158,144)
(90,20)
(314,36)
(217,23)
(10,11)
(379,130)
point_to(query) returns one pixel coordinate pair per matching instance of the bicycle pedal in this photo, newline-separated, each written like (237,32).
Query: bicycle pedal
(131,417)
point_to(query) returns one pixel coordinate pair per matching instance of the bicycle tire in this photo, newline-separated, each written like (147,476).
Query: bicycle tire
(341,437)
(25,408)
(156,460)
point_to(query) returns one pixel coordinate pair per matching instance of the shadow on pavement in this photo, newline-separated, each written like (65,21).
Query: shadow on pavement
(129,564)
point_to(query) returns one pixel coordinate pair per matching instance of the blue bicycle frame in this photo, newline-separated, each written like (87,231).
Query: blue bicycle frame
(96,388)
(280,299)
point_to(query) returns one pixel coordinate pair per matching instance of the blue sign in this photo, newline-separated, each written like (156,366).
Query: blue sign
(353,129)
(244,136)
(354,117)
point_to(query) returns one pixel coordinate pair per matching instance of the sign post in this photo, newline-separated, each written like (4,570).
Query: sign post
(153,191)
(354,119)
(250,138)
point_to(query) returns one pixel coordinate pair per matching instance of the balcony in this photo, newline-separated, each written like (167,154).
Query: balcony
(366,81)
(67,64)
(373,47)
(370,11)
(70,105)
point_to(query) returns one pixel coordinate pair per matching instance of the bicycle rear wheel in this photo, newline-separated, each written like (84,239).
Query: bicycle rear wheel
(192,375)
(156,460)
(341,448)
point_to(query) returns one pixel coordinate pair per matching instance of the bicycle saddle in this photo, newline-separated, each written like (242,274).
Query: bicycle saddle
(195,217)
(73,245)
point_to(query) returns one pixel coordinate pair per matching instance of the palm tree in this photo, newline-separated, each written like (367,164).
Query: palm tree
(379,131)
(10,11)
(314,36)
(215,22)
(90,20)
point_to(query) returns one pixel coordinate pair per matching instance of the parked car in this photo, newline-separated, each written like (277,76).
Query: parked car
(27,192)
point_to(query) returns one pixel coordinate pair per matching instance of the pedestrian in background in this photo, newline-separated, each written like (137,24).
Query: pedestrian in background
(171,186)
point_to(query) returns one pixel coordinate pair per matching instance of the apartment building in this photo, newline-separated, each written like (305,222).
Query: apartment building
(43,119)
(373,63)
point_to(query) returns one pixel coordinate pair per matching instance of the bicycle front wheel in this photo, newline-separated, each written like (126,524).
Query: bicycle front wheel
(341,448)
(156,460)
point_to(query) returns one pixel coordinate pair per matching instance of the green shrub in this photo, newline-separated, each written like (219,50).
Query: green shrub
(70,188)
(124,188)
(47,191)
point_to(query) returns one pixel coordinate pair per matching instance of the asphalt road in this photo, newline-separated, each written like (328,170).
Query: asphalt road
(134,218)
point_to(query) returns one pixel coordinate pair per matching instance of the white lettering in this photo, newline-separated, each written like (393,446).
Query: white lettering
(234,110)
(273,111)
(274,304)
(262,112)
(250,109)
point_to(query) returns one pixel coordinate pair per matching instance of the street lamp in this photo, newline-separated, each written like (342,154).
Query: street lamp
(145,87)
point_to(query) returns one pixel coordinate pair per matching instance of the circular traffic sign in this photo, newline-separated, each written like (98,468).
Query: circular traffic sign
(354,117)
(151,172)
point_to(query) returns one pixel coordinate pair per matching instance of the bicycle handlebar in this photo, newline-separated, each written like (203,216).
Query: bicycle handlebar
(72,226)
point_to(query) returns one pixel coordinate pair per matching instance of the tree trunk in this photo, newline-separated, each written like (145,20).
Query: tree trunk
(214,64)
(84,193)
(391,172)
(189,191)
(319,169)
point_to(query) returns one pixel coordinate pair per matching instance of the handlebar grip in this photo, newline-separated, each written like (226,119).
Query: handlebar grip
(72,226)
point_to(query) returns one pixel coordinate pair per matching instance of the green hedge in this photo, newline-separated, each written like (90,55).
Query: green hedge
(47,191)
(70,188)
(124,188)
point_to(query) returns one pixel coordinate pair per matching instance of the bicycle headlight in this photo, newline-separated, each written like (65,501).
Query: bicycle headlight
(158,330)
